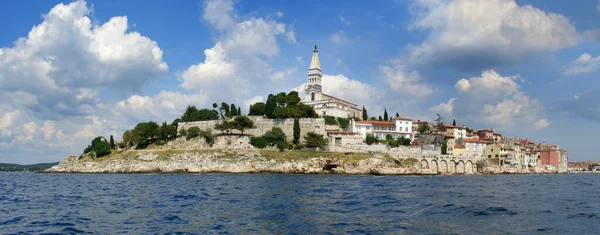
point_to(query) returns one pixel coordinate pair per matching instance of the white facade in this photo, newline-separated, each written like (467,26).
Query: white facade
(380,129)
(323,104)
(459,133)
(474,148)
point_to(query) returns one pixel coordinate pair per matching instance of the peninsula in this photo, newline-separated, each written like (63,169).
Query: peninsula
(318,133)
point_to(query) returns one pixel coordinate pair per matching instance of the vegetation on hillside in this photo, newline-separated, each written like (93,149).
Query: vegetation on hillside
(283,105)
(32,167)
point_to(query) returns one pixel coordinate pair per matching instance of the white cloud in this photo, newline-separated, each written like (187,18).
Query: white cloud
(586,63)
(279,76)
(479,34)
(576,96)
(299,59)
(68,54)
(7,120)
(405,81)
(541,124)
(491,99)
(345,21)
(598,6)
(340,38)
(218,13)
(279,14)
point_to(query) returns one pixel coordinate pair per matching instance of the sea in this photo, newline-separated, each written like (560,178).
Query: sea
(34,203)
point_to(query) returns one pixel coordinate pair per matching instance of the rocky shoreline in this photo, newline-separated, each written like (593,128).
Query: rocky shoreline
(254,161)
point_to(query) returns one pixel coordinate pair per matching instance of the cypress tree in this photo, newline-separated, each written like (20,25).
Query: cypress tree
(364,113)
(385,115)
(239,111)
(296,131)
(270,106)
(380,119)
(454,122)
(233,110)
(112,142)
(397,115)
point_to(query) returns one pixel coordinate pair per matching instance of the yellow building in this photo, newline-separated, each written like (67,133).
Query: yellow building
(493,153)
(459,150)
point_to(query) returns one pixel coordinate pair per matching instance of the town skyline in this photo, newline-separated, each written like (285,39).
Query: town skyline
(96,68)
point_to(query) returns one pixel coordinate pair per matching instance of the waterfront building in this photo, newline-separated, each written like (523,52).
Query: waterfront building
(493,154)
(458,132)
(323,104)
(396,127)
(475,147)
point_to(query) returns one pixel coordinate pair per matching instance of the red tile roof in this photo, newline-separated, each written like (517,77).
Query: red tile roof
(402,118)
(453,126)
(352,105)
(341,133)
(376,123)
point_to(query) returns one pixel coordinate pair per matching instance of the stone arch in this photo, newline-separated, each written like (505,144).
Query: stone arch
(434,166)
(460,167)
(469,167)
(452,167)
(443,166)
(424,164)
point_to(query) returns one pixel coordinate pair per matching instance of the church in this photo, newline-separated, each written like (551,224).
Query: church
(323,104)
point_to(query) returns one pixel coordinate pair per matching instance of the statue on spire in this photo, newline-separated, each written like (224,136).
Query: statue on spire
(315,48)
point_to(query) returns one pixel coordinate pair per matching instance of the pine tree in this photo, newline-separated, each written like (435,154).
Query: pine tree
(385,115)
(296,131)
(397,115)
(454,122)
(364,113)
(112,142)
(380,119)
(233,110)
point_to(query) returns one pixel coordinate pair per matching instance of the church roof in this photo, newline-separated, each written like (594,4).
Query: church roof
(314,62)
(338,100)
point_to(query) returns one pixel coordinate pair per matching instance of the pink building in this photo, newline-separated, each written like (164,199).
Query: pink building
(549,156)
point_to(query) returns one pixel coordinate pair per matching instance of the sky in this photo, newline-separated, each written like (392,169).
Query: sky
(74,70)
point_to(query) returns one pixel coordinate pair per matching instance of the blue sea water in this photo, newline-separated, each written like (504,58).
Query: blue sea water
(298,204)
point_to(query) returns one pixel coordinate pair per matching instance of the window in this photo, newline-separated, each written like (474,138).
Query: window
(312,96)
(406,129)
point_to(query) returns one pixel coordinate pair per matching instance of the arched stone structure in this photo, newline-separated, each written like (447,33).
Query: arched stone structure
(434,166)
(424,164)
(452,167)
(469,167)
(460,167)
(443,168)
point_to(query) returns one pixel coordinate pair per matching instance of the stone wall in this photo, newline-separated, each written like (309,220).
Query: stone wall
(263,125)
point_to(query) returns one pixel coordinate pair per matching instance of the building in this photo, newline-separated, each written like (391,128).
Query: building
(554,156)
(486,134)
(323,104)
(459,132)
(396,127)
(493,154)
(475,147)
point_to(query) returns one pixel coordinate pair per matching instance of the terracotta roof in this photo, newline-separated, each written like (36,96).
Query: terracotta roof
(392,132)
(485,130)
(459,146)
(341,133)
(352,105)
(448,135)
(402,118)
(376,123)
(452,126)
(475,141)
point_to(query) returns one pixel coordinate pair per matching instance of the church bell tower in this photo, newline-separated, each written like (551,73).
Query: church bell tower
(313,89)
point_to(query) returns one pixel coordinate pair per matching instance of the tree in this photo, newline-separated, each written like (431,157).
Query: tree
(225,110)
(193,132)
(330,120)
(397,115)
(233,110)
(275,135)
(314,140)
(371,139)
(444,146)
(270,106)
(292,98)
(365,116)
(343,122)
(296,131)
(454,122)
(380,119)
(143,133)
(239,111)
(385,115)
(112,143)
(257,109)
(403,141)
(423,128)
(439,119)
(242,123)
(373,119)
(192,114)
(224,126)
(98,146)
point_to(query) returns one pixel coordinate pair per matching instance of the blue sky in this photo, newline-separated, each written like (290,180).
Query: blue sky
(70,71)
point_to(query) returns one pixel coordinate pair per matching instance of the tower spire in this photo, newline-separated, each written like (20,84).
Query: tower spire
(314,62)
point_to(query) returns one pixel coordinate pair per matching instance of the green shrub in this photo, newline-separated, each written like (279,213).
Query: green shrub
(298,147)
(208,137)
(343,122)
(193,132)
(371,139)
(281,146)
(259,142)
(314,140)
(182,132)
(275,135)
(99,146)
(330,120)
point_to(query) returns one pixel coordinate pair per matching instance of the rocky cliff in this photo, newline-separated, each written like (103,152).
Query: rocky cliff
(238,161)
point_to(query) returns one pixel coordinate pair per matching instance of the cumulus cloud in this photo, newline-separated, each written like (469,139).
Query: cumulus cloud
(345,21)
(586,63)
(481,34)
(68,54)
(404,81)
(541,124)
(491,99)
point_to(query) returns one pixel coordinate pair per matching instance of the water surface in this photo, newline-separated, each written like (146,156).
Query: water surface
(302,204)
